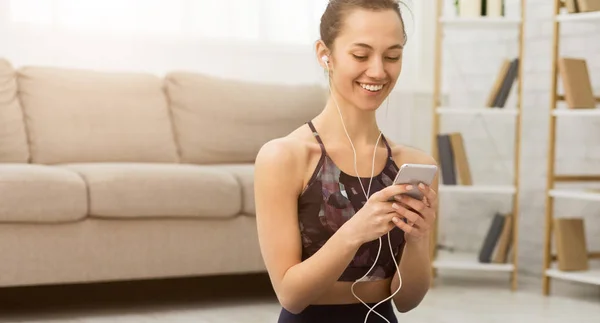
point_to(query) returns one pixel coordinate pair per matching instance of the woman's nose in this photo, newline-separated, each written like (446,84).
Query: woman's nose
(376,69)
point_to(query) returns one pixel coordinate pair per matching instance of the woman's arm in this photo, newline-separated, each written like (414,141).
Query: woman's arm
(416,275)
(279,171)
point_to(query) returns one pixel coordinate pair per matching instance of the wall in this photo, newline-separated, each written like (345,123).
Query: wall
(471,61)
(25,44)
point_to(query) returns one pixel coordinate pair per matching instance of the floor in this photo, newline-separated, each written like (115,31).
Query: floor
(249,299)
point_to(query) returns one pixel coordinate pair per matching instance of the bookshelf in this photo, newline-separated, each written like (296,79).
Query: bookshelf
(480,22)
(564,14)
(478,111)
(442,259)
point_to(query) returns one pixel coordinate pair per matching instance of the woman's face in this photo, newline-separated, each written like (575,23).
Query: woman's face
(367,57)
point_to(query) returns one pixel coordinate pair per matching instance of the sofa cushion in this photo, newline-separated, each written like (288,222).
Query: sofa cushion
(37,193)
(132,190)
(76,116)
(226,121)
(13,138)
(244,174)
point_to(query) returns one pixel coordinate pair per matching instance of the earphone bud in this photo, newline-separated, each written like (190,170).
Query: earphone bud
(325,59)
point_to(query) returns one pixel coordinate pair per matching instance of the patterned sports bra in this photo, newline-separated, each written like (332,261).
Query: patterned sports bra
(331,198)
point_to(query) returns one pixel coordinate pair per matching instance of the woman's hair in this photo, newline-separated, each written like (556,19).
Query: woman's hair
(336,11)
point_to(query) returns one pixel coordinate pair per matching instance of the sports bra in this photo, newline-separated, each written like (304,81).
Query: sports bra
(332,197)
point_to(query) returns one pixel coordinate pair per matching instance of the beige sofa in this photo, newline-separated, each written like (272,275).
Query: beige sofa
(109,176)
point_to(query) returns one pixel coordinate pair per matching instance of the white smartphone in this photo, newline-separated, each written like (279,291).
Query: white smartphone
(415,174)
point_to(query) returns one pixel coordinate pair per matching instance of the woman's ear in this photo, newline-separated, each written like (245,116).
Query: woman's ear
(323,55)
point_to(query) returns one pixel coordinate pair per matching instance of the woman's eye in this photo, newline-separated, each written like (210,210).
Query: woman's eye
(394,59)
(360,57)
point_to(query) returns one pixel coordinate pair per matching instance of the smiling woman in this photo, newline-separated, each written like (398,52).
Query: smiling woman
(337,237)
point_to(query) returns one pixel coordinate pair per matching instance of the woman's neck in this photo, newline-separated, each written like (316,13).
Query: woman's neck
(361,125)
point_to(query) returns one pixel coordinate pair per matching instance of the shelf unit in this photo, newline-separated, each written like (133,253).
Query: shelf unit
(460,261)
(550,270)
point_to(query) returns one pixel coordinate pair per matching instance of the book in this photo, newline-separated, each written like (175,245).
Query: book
(446,156)
(507,84)
(491,238)
(469,8)
(460,158)
(571,248)
(588,5)
(576,83)
(502,75)
(494,8)
(505,241)
(572,6)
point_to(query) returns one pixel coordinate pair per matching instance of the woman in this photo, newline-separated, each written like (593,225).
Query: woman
(319,234)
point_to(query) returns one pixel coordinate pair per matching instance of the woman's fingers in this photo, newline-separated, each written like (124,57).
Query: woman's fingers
(411,217)
(418,206)
(406,227)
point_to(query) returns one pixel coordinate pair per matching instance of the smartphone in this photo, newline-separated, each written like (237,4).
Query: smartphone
(415,174)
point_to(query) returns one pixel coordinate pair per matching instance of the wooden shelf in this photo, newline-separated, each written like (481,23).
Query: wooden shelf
(577,178)
(562,98)
(481,22)
(478,189)
(591,276)
(582,16)
(581,195)
(575,194)
(467,261)
(576,112)
(478,111)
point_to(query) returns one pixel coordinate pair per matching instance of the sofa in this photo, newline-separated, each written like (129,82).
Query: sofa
(112,176)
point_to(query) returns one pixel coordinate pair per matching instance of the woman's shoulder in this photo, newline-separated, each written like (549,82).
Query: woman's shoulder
(404,154)
(289,155)
(288,148)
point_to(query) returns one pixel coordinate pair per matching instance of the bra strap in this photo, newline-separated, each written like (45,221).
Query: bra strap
(316,134)
(387,145)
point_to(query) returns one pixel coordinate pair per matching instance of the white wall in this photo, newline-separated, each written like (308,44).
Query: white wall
(26,44)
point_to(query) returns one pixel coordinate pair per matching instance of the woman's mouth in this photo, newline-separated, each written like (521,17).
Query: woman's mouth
(371,87)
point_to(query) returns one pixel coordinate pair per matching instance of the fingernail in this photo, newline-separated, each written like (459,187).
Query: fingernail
(421,185)
(395,219)
(395,206)
(409,187)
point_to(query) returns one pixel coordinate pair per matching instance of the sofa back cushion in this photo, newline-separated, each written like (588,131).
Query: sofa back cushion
(13,138)
(226,121)
(89,116)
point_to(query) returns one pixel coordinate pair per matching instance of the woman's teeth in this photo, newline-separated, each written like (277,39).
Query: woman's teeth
(372,88)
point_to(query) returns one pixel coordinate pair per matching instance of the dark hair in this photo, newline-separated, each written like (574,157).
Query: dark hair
(333,17)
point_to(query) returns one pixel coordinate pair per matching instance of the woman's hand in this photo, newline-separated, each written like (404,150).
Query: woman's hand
(419,215)
(375,218)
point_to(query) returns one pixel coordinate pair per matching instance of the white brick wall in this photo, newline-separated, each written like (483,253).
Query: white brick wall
(471,61)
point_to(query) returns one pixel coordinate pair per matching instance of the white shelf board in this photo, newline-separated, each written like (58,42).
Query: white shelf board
(576,194)
(591,276)
(478,111)
(481,22)
(576,112)
(475,189)
(467,261)
(580,16)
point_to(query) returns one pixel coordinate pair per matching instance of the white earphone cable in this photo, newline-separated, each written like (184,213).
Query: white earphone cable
(367,194)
